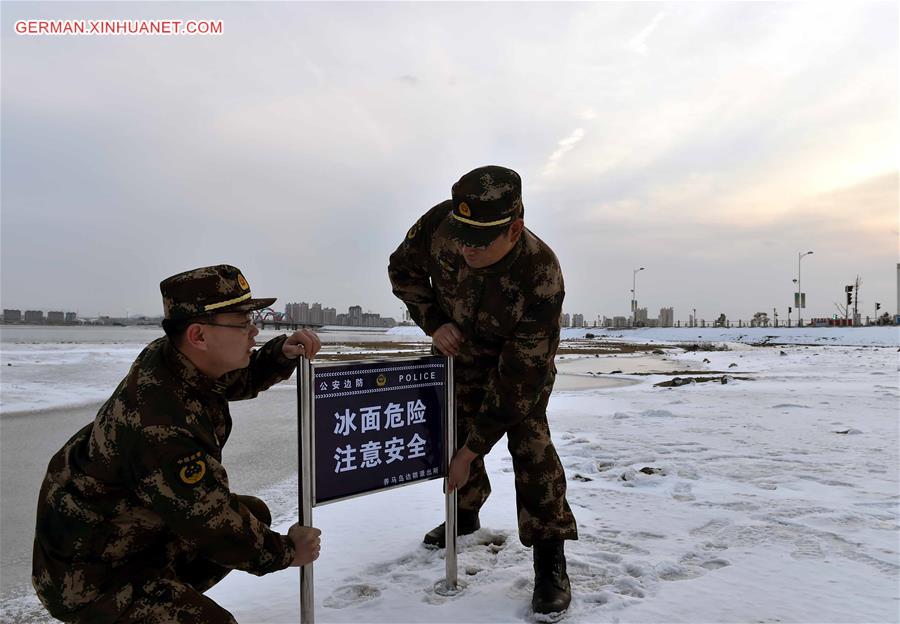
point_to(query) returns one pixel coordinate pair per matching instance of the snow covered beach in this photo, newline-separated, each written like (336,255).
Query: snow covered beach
(772,498)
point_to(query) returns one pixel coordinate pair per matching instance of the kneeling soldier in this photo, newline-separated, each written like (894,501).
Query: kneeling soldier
(135,518)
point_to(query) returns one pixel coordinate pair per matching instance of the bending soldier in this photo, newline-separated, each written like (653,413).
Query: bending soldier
(490,292)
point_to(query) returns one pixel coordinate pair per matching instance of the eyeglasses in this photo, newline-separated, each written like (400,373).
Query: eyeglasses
(244,327)
(485,245)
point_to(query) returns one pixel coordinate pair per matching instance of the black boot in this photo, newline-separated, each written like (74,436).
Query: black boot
(552,593)
(466,522)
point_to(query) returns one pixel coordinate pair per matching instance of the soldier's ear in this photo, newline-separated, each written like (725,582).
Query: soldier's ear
(515,229)
(195,337)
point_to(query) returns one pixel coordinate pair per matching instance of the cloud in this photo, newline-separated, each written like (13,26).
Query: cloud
(638,43)
(565,145)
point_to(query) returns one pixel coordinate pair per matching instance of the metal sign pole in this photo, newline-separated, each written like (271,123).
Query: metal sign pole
(450,523)
(450,586)
(304,389)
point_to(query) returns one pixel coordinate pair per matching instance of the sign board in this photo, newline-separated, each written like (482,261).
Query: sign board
(799,300)
(377,425)
(367,426)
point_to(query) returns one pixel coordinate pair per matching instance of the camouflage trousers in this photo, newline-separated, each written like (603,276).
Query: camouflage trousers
(543,512)
(175,595)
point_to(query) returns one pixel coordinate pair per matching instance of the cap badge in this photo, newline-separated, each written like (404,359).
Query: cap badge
(411,234)
(242,282)
(464,209)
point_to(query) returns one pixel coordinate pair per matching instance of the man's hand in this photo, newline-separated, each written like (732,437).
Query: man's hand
(447,338)
(306,544)
(302,342)
(459,468)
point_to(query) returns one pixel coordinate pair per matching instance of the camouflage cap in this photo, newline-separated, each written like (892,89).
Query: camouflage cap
(208,290)
(485,201)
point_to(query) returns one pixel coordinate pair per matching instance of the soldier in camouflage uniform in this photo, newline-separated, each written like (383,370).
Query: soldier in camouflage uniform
(135,518)
(490,292)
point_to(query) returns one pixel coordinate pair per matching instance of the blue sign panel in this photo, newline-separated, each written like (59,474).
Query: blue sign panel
(377,426)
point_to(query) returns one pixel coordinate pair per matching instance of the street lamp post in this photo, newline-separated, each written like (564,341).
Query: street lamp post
(634,296)
(800,301)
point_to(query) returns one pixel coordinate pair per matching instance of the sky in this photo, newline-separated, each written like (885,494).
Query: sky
(710,143)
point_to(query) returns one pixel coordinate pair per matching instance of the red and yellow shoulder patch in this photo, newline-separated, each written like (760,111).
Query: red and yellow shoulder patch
(192,468)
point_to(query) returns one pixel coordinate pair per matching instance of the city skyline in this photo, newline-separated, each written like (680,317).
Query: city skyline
(641,314)
(666,317)
(710,143)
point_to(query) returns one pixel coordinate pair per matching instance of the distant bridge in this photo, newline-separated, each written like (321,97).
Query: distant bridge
(268,316)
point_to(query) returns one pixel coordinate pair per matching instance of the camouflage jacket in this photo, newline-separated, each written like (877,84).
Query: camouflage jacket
(508,314)
(143,486)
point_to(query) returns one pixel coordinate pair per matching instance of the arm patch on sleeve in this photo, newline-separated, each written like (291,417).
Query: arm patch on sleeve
(191,469)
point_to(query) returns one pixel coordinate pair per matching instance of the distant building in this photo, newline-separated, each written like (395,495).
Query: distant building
(305,314)
(71,317)
(56,317)
(640,317)
(619,321)
(578,320)
(12,316)
(564,320)
(34,316)
(606,322)
(666,317)
(302,314)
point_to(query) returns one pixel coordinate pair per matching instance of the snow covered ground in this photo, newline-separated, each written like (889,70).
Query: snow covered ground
(772,499)
(869,336)
(761,511)
(847,336)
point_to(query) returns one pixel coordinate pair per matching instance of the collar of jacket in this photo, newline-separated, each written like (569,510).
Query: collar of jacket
(185,370)
(502,265)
